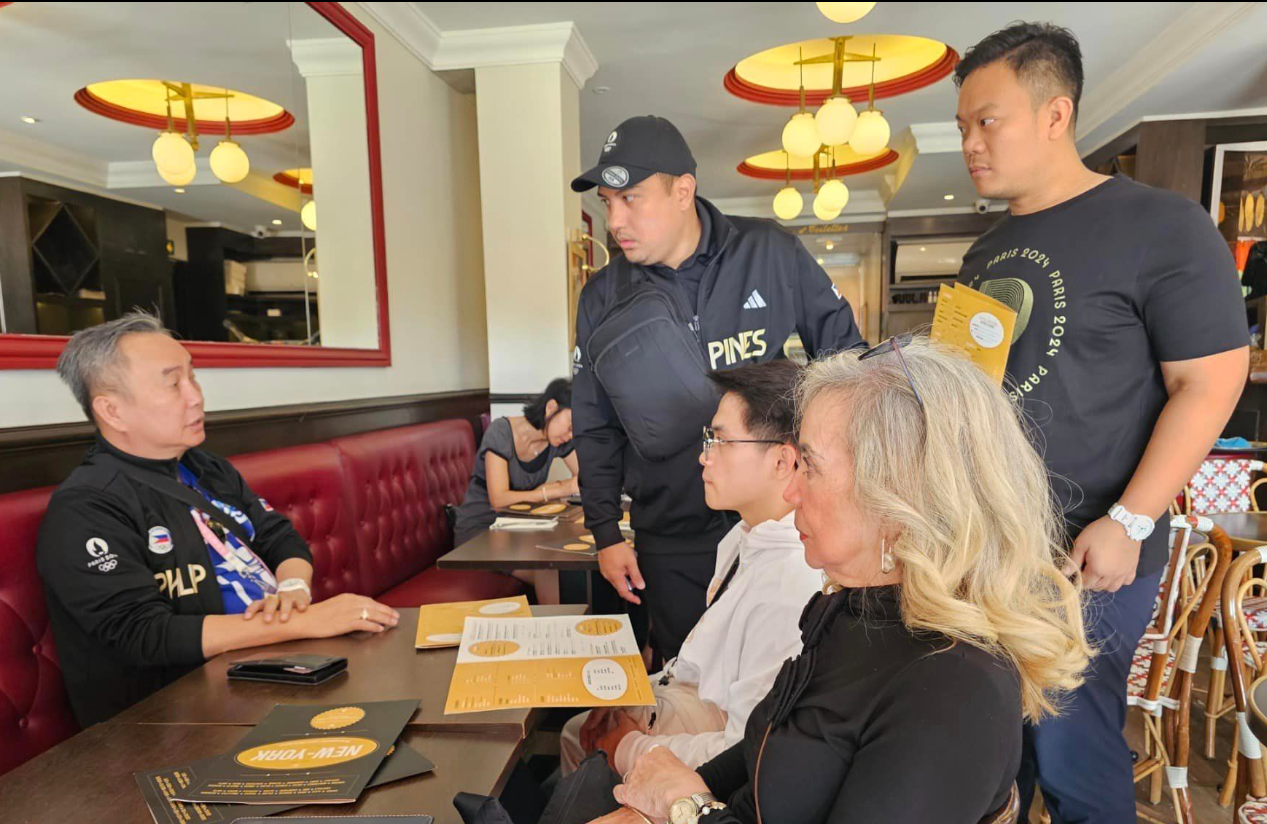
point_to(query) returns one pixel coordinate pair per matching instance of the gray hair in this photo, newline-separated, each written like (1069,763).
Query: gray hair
(91,360)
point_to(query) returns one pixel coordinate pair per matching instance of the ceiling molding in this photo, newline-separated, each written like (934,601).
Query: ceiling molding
(326,57)
(495,46)
(143,174)
(407,23)
(937,138)
(1226,114)
(1194,29)
(29,153)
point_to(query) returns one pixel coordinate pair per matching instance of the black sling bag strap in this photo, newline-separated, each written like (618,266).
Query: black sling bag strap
(173,488)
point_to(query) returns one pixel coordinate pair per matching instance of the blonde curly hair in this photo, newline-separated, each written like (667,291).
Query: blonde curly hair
(980,541)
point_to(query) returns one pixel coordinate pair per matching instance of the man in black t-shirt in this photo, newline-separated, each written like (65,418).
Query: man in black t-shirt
(1129,355)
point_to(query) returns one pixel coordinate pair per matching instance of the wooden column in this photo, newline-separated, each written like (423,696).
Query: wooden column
(1170,155)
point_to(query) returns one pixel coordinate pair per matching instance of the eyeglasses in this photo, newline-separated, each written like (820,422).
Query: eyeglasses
(894,345)
(711,440)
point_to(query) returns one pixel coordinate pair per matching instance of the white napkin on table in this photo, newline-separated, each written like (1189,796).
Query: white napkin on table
(525,524)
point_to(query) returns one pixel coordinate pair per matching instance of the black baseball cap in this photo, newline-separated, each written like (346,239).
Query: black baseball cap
(635,150)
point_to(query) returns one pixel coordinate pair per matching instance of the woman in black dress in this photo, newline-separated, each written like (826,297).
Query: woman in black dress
(944,625)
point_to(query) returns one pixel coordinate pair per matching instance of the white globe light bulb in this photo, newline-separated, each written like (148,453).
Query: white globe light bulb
(172,153)
(823,210)
(835,120)
(788,203)
(845,12)
(871,134)
(308,215)
(834,194)
(800,135)
(229,162)
(180,178)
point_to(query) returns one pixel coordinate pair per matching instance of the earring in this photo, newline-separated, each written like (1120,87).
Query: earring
(887,561)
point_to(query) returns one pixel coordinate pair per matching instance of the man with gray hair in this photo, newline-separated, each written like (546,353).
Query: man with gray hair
(155,554)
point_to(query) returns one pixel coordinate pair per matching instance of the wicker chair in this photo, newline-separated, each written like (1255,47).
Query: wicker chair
(1246,782)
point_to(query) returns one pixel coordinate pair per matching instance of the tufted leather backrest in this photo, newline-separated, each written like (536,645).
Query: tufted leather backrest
(398,482)
(34,712)
(305,483)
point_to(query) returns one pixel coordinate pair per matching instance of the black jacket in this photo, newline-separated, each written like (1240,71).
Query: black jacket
(126,609)
(875,723)
(759,286)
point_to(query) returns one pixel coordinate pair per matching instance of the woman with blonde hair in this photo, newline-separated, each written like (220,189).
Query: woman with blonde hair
(945,622)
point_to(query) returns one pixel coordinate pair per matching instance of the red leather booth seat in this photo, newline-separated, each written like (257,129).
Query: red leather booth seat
(34,713)
(370,506)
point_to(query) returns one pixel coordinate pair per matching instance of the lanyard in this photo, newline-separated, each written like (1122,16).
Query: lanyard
(216,537)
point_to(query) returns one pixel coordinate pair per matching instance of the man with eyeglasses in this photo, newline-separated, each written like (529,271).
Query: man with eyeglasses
(1129,354)
(759,589)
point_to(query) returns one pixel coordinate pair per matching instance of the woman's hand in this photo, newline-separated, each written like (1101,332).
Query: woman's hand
(343,614)
(657,780)
(280,604)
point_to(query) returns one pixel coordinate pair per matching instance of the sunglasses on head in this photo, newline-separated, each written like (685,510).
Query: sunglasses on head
(894,345)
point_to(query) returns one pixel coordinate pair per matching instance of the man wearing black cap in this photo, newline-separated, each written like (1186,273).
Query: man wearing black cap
(693,291)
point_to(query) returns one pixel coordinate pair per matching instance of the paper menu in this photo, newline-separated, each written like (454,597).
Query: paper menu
(571,661)
(440,625)
(976,323)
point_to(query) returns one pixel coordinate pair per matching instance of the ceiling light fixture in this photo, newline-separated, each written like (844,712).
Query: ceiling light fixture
(825,208)
(871,133)
(276,222)
(788,202)
(845,12)
(830,245)
(800,133)
(178,190)
(834,193)
(837,117)
(228,161)
(602,89)
(308,215)
(30,121)
(820,261)
(948,197)
(172,154)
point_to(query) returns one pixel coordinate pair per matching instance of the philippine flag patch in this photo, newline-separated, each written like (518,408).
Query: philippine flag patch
(267,506)
(160,540)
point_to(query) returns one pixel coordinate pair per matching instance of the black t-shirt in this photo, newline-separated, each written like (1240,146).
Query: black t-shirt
(1107,286)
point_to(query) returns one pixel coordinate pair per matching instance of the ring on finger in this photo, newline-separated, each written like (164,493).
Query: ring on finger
(365,614)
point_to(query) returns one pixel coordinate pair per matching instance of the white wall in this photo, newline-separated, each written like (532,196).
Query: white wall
(434,264)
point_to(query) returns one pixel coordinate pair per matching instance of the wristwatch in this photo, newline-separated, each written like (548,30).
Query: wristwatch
(694,808)
(292,584)
(1138,527)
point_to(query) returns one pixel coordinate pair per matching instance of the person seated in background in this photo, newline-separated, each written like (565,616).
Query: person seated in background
(760,586)
(156,555)
(512,467)
(946,624)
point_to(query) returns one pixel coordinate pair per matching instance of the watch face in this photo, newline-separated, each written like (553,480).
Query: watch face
(684,811)
(1140,530)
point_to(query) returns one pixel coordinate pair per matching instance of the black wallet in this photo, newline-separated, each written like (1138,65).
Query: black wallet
(289,669)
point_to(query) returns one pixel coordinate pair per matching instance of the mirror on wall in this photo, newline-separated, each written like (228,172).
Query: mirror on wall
(205,161)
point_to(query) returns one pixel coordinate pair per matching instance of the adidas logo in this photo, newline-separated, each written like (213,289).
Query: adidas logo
(754,301)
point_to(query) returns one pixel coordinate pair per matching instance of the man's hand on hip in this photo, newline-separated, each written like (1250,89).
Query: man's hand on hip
(1106,555)
(619,565)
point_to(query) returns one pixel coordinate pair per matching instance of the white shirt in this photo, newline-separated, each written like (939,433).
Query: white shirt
(742,640)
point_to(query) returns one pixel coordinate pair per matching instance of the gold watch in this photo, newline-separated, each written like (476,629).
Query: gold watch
(693,808)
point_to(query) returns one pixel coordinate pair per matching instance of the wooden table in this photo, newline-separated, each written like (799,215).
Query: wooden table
(1248,530)
(381,667)
(89,777)
(503,551)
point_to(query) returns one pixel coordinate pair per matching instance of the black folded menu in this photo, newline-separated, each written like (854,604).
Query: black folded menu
(291,669)
(304,754)
(159,786)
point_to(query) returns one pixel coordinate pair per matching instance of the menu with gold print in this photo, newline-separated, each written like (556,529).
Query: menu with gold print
(976,323)
(440,625)
(304,754)
(572,661)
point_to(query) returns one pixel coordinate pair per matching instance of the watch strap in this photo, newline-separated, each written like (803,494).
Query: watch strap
(293,584)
